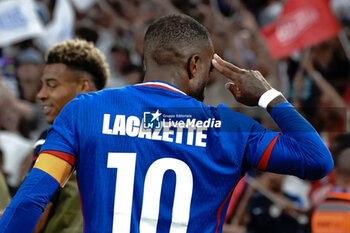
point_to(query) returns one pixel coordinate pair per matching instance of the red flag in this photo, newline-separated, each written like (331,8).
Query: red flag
(300,24)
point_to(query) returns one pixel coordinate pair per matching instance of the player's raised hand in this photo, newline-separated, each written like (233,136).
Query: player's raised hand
(247,85)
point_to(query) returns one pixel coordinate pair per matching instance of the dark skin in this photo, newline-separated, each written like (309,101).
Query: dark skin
(190,73)
(247,86)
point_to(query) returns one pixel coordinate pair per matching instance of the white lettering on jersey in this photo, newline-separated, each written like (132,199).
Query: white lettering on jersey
(166,135)
(105,128)
(132,126)
(119,125)
(200,136)
(173,132)
(145,133)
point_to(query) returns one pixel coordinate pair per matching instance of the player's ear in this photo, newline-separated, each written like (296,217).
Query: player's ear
(192,65)
(86,85)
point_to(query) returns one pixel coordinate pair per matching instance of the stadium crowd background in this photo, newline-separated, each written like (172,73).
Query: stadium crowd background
(316,80)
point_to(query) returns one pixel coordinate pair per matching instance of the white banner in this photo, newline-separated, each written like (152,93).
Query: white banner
(61,27)
(18,21)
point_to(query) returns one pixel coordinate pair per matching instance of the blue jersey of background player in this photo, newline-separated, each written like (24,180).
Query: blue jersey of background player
(151,158)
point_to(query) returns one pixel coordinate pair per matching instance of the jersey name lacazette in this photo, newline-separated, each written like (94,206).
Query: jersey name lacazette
(170,128)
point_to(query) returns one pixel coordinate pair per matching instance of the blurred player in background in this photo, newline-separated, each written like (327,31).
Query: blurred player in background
(137,173)
(333,215)
(72,67)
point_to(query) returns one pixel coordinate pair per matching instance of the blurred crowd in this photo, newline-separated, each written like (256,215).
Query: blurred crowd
(316,80)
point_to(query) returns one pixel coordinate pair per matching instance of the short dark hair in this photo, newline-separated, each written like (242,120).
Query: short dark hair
(87,34)
(168,37)
(81,55)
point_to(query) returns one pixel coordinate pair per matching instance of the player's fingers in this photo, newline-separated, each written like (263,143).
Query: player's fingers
(225,71)
(229,65)
(232,87)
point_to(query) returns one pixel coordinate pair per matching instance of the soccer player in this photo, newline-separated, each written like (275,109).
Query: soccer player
(152,157)
(72,67)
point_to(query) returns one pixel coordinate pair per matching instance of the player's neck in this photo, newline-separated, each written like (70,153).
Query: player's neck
(170,75)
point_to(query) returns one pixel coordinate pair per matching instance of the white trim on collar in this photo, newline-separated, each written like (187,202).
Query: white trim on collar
(161,85)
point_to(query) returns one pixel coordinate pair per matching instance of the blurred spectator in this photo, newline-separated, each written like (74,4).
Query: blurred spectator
(122,66)
(22,116)
(266,206)
(29,65)
(268,14)
(132,74)
(341,9)
(320,188)
(333,215)
(4,193)
(87,34)
(121,57)
(272,210)
(14,148)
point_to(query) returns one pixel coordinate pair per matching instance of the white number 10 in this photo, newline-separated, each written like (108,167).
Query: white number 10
(125,163)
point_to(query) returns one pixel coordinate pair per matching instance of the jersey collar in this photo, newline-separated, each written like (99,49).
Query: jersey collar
(161,85)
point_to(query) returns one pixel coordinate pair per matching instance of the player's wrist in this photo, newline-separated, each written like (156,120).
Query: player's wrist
(277,101)
(267,97)
(270,99)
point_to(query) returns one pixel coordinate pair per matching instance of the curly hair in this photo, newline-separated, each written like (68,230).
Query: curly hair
(81,55)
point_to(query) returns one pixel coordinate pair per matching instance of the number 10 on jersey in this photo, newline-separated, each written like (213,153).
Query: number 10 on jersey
(124,188)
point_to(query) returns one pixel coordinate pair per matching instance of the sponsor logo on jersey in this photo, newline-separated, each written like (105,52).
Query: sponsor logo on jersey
(151,120)
(156,120)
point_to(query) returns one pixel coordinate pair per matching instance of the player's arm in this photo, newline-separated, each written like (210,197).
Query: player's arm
(299,150)
(58,168)
(48,174)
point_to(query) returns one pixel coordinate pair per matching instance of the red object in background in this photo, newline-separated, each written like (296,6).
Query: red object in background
(300,24)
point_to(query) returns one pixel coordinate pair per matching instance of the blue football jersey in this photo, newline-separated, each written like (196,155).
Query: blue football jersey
(149,158)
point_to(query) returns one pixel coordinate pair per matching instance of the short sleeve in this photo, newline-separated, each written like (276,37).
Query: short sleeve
(62,136)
